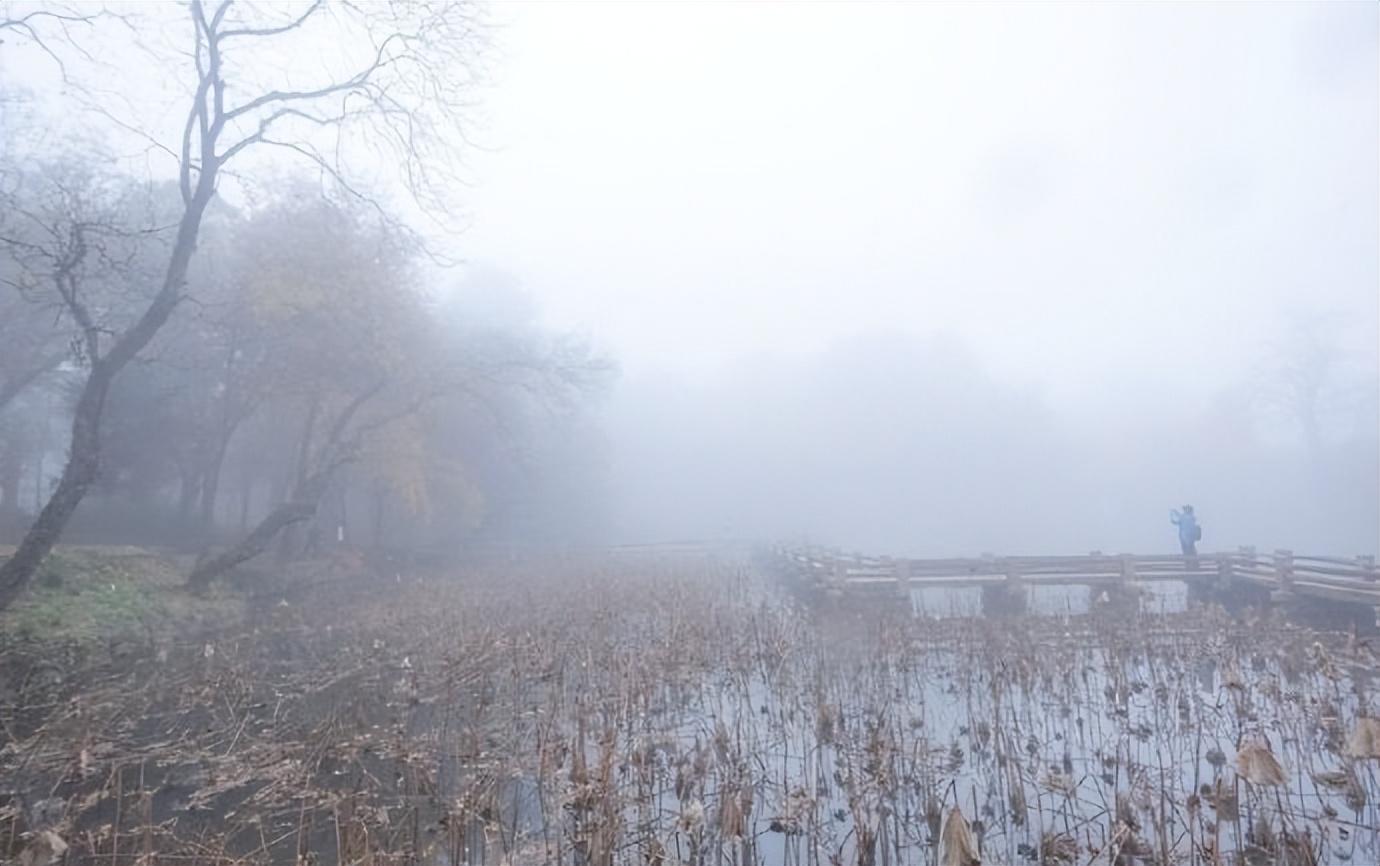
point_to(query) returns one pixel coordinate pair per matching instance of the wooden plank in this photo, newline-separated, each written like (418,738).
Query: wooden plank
(1356,594)
(960,581)
(1362,562)
(1355,573)
(1350,579)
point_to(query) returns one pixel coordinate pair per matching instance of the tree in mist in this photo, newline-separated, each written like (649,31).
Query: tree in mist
(77,248)
(338,305)
(1310,381)
(295,308)
(514,434)
(74,244)
(397,87)
(33,340)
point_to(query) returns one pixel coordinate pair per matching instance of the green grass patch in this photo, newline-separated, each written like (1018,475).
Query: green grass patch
(89,595)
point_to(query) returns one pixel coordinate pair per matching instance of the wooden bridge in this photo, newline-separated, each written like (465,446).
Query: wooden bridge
(1243,576)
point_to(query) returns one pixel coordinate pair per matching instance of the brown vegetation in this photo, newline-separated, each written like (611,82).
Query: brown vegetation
(655,712)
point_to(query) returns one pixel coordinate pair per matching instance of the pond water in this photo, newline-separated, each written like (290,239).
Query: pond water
(1157,597)
(1081,746)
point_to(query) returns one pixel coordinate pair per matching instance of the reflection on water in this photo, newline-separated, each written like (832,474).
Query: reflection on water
(1156,597)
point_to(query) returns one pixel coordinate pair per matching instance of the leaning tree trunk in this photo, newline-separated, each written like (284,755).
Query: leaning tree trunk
(210,490)
(307,492)
(380,506)
(246,493)
(83,463)
(288,542)
(84,455)
(215,468)
(11,470)
(189,491)
(301,507)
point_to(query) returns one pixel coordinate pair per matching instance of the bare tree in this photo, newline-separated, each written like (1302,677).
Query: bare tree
(29,24)
(1308,379)
(548,376)
(33,339)
(364,355)
(398,90)
(345,334)
(317,466)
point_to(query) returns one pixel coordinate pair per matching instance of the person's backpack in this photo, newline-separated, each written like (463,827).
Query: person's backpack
(1197,532)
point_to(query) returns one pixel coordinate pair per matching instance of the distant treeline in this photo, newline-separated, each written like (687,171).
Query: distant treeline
(314,359)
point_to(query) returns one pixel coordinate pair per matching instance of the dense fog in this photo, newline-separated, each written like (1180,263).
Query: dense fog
(908,444)
(587,433)
(987,279)
(983,281)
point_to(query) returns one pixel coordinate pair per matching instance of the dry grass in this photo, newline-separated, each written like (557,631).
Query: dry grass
(688,712)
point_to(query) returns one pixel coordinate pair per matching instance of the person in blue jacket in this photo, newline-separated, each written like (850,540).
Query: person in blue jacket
(1190,533)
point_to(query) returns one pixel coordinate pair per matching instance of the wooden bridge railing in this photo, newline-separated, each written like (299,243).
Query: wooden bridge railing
(1353,579)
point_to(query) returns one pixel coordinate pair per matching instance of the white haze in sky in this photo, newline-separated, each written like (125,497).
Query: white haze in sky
(939,278)
(1093,197)
(942,279)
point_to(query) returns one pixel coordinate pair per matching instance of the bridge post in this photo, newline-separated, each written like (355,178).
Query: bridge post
(1128,569)
(1226,575)
(1367,562)
(1310,609)
(1218,587)
(1007,597)
(1225,588)
(1130,580)
(887,566)
(903,578)
(1284,575)
(838,572)
(1122,596)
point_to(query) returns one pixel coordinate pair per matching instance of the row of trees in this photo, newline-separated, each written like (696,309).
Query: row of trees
(230,371)
(940,457)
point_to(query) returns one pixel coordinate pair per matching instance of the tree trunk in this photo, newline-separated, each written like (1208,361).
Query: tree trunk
(306,493)
(83,456)
(301,507)
(380,504)
(188,493)
(83,464)
(11,470)
(38,481)
(344,530)
(210,488)
(246,494)
(288,543)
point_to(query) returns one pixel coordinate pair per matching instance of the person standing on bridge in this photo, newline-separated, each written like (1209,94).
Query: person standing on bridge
(1190,533)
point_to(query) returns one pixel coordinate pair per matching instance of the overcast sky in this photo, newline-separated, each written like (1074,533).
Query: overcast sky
(1091,196)
(1100,201)
(1043,242)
